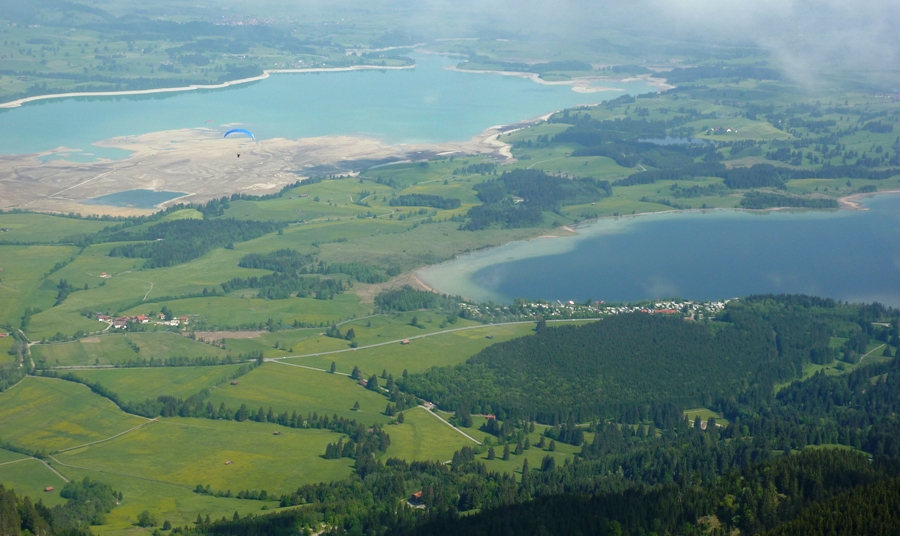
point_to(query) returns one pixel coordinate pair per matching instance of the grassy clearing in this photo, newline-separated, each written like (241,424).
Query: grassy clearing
(174,502)
(6,345)
(113,348)
(22,281)
(289,388)
(704,414)
(424,437)
(31,477)
(141,384)
(47,414)
(188,452)
(224,311)
(45,228)
(420,355)
(9,456)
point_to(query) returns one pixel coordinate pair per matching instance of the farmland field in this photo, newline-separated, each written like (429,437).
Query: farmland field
(47,414)
(188,452)
(113,348)
(288,388)
(137,385)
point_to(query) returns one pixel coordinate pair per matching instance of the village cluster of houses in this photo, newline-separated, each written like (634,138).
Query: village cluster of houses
(693,310)
(121,322)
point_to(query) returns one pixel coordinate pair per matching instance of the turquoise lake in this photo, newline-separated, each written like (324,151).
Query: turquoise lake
(428,104)
(134,198)
(852,255)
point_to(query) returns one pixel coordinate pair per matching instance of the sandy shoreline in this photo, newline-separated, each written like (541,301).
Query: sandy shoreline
(194,87)
(580,84)
(851,202)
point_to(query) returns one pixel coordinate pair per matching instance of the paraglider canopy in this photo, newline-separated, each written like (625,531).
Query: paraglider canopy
(240,131)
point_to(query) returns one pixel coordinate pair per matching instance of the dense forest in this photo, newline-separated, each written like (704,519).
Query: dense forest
(179,241)
(594,370)
(517,198)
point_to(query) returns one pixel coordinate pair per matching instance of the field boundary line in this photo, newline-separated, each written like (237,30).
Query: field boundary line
(308,368)
(66,480)
(450,425)
(183,486)
(454,330)
(19,460)
(868,353)
(108,438)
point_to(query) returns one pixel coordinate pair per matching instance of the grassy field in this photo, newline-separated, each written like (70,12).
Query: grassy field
(289,388)
(187,452)
(133,384)
(704,414)
(424,437)
(45,228)
(421,354)
(31,477)
(175,502)
(113,348)
(22,282)
(48,414)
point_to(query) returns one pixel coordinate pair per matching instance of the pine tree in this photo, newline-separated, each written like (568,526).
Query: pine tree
(400,418)
(519,449)
(552,447)
(506,452)
(333,367)
(491,454)
(355,374)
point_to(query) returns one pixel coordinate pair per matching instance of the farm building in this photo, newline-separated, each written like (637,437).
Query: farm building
(48,488)
(404,341)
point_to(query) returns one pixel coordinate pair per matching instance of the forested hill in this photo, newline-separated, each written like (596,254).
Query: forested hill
(595,369)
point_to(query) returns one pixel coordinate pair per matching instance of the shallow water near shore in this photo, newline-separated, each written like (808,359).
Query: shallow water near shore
(852,255)
(428,104)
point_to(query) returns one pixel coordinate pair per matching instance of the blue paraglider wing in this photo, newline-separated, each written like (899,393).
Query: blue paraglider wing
(240,131)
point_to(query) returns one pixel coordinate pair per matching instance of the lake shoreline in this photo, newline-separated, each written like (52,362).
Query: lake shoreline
(194,87)
(579,84)
(572,231)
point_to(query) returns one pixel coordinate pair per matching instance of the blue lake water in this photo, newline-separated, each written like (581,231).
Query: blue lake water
(848,255)
(427,104)
(134,198)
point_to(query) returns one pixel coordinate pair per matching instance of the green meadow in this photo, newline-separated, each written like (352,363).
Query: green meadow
(174,502)
(22,283)
(48,414)
(111,348)
(440,350)
(290,388)
(31,477)
(424,437)
(187,452)
(137,385)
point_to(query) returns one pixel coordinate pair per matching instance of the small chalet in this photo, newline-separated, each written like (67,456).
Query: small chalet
(3,335)
(183,319)
(276,433)
(404,341)
(143,319)
(234,382)
(121,322)
(416,498)
(48,489)
(103,318)
(227,462)
(363,382)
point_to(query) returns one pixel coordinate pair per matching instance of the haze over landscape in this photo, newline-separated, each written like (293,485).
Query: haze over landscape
(430,268)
